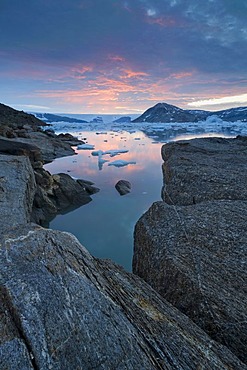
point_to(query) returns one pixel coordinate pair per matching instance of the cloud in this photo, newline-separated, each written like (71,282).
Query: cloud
(240,99)
(151,12)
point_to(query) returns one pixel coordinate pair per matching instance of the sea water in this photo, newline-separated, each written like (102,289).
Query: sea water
(105,226)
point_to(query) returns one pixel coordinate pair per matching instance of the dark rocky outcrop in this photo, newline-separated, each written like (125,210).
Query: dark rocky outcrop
(13,147)
(58,194)
(14,119)
(53,193)
(63,309)
(192,247)
(167,113)
(70,139)
(17,190)
(50,147)
(60,308)
(20,127)
(123,187)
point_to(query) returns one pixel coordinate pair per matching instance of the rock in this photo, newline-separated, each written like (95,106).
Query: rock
(18,119)
(191,248)
(70,139)
(63,309)
(69,192)
(50,147)
(58,194)
(34,194)
(13,147)
(123,187)
(17,189)
(204,169)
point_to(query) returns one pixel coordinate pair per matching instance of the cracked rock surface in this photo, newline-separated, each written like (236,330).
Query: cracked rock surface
(191,247)
(63,309)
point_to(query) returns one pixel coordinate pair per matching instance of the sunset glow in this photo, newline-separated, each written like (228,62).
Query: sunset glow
(85,56)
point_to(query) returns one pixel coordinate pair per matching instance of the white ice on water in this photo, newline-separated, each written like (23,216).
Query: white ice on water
(112,152)
(85,146)
(211,124)
(120,163)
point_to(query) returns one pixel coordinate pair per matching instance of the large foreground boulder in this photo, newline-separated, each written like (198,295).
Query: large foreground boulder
(63,309)
(205,169)
(192,247)
(33,194)
(17,190)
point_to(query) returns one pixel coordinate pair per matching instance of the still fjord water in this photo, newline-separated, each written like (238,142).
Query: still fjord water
(105,226)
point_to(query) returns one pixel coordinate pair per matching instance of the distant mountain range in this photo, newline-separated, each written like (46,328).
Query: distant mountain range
(48,118)
(163,112)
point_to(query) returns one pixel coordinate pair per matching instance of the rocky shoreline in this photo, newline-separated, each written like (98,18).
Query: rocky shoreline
(191,247)
(21,135)
(61,308)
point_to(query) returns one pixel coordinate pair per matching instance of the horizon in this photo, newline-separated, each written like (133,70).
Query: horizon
(81,56)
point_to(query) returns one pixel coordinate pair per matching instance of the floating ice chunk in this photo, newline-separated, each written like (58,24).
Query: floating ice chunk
(120,163)
(114,152)
(101,161)
(85,146)
(97,153)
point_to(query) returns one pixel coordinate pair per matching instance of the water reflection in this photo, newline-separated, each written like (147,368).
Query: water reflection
(105,225)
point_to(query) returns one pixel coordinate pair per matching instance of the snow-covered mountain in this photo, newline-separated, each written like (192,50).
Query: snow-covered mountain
(48,118)
(163,112)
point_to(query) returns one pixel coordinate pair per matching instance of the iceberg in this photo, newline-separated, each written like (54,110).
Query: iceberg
(85,146)
(112,152)
(120,163)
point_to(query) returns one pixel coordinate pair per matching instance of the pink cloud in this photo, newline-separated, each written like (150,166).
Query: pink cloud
(128,73)
(179,75)
(116,58)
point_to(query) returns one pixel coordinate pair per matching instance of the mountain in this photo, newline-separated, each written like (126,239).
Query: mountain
(233,114)
(47,117)
(13,118)
(163,112)
(125,119)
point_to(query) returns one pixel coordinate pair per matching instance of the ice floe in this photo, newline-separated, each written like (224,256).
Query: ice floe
(85,146)
(211,124)
(112,152)
(120,163)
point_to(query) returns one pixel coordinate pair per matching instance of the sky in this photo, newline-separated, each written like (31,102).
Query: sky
(122,56)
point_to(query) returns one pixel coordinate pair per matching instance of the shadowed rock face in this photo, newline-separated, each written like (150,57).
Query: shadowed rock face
(192,247)
(123,187)
(17,189)
(13,118)
(63,309)
(60,308)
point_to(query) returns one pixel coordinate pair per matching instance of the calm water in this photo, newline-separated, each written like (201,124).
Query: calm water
(105,226)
